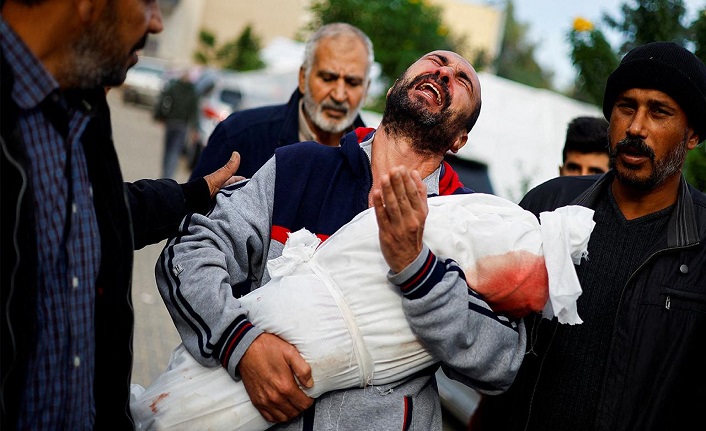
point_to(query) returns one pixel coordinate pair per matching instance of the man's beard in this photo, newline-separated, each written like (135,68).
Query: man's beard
(429,132)
(316,115)
(98,58)
(661,169)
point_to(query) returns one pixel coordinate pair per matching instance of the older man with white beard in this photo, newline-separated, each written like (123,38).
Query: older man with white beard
(333,83)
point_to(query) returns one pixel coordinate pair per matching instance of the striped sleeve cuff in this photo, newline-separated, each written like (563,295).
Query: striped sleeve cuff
(420,276)
(236,339)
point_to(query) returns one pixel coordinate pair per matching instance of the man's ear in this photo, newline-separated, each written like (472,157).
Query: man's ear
(389,90)
(302,80)
(693,140)
(459,142)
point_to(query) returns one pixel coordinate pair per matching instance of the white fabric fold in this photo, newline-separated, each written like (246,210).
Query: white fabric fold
(565,235)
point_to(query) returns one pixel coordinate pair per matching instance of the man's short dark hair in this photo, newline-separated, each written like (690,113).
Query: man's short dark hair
(586,135)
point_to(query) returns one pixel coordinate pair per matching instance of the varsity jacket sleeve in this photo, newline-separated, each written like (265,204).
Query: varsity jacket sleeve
(476,346)
(201,271)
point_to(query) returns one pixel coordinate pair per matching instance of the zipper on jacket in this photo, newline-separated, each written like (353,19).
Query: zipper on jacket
(668,303)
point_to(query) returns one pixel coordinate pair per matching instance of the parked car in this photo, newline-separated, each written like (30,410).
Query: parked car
(219,96)
(144,81)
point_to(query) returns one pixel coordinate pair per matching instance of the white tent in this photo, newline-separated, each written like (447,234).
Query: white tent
(520,133)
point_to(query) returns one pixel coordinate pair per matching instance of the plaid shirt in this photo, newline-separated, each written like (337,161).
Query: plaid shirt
(59,384)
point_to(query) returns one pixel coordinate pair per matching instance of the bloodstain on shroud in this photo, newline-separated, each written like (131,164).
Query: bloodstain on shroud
(513,283)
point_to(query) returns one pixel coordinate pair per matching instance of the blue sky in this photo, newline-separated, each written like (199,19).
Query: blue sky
(550,21)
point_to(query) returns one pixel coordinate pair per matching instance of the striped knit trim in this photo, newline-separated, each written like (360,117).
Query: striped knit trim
(431,273)
(408,409)
(233,335)
(187,313)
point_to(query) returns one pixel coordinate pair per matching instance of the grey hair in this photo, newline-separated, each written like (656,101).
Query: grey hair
(333,30)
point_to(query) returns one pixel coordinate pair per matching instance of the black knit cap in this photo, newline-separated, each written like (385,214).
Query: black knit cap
(667,67)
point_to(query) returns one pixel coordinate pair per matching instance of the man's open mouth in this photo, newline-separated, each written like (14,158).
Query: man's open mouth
(429,88)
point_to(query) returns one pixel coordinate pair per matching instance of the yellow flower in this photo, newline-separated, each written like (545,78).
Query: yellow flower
(582,24)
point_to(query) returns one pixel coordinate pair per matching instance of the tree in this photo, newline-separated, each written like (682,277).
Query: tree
(594,60)
(516,59)
(206,52)
(698,34)
(646,21)
(401,30)
(695,167)
(241,53)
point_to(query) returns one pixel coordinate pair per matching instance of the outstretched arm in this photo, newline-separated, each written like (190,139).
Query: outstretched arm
(455,323)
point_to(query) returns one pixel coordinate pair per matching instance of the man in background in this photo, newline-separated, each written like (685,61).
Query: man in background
(178,107)
(333,83)
(586,147)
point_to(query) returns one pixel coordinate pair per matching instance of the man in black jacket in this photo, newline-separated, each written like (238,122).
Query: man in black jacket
(636,362)
(69,224)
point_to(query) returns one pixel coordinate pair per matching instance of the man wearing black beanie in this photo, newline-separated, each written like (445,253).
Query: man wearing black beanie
(636,361)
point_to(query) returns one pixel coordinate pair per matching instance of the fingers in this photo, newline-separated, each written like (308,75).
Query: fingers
(401,209)
(269,378)
(222,176)
(302,370)
(403,191)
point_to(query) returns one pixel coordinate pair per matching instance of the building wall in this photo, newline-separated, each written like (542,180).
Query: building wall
(479,24)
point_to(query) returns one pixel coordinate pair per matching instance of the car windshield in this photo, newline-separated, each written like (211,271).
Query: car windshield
(231,97)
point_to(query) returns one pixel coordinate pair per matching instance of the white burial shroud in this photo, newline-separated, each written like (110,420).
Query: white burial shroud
(335,305)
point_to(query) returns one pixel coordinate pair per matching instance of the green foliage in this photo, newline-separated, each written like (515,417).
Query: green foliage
(646,21)
(401,30)
(241,53)
(206,47)
(594,60)
(698,35)
(642,21)
(516,60)
(695,167)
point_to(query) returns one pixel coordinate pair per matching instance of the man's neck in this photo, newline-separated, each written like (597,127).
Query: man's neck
(635,203)
(389,151)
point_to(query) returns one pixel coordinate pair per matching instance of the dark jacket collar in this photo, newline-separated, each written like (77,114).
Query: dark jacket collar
(683,229)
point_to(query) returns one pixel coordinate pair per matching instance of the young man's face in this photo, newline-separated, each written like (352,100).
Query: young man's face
(337,83)
(578,163)
(649,138)
(108,46)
